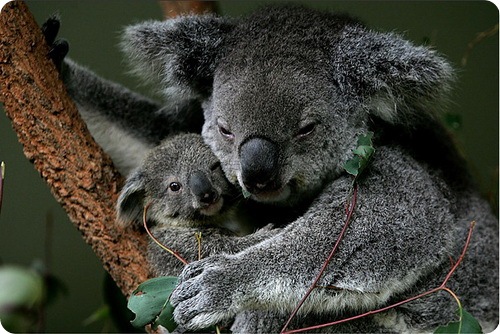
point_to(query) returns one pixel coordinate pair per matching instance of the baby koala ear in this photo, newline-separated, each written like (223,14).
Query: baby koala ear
(130,203)
(181,52)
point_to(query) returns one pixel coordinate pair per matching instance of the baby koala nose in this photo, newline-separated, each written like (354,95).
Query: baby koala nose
(202,188)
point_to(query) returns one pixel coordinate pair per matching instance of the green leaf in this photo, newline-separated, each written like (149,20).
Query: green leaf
(364,151)
(21,294)
(150,298)
(466,324)
(366,139)
(352,166)
(362,155)
(22,288)
(166,318)
(102,313)
(246,194)
(54,287)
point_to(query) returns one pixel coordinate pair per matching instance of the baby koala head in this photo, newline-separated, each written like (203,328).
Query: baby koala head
(181,181)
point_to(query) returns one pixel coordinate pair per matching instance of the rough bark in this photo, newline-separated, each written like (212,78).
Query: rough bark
(174,8)
(55,139)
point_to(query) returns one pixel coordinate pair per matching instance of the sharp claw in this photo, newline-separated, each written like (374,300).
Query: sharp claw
(58,51)
(59,48)
(50,29)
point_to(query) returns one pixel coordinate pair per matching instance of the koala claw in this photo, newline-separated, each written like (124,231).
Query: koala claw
(193,269)
(50,29)
(58,51)
(58,48)
(202,298)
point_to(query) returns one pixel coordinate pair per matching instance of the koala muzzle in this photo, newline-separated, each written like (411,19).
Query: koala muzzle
(259,159)
(202,188)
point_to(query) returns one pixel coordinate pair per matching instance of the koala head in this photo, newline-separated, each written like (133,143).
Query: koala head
(287,91)
(181,180)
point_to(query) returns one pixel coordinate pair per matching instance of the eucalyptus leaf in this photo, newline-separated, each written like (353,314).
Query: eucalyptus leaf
(246,194)
(21,288)
(362,155)
(366,139)
(467,324)
(364,151)
(166,318)
(148,300)
(352,166)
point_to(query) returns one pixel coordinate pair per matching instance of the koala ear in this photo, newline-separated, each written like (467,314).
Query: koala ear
(130,203)
(181,52)
(399,81)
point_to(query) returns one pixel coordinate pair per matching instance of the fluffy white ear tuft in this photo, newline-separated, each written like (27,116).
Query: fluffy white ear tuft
(130,203)
(400,81)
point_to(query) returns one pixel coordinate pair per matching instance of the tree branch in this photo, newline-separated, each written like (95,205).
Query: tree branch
(175,8)
(80,175)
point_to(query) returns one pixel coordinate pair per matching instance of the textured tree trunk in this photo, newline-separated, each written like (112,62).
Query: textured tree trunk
(55,139)
(175,8)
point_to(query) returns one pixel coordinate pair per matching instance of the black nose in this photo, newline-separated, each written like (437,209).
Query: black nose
(202,188)
(259,159)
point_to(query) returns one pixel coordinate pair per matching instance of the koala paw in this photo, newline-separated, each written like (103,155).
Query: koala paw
(205,295)
(58,48)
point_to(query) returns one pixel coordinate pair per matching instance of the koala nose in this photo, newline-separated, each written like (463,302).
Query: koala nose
(202,188)
(259,163)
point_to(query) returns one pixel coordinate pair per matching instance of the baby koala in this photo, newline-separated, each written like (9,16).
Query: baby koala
(185,191)
(182,184)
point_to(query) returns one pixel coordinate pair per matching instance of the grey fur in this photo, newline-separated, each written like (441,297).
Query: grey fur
(311,83)
(123,122)
(176,215)
(175,160)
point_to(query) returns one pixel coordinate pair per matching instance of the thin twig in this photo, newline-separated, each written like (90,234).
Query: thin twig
(478,39)
(442,287)
(350,210)
(174,253)
(197,235)
(2,177)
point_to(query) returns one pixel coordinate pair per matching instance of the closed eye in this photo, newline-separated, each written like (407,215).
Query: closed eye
(306,130)
(224,131)
(215,166)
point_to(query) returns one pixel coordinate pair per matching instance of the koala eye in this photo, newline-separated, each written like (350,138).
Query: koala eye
(224,131)
(215,166)
(175,186)
(306,130)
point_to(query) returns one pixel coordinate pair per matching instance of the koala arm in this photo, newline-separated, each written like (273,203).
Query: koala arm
(213,241)
(123,122)
(397,235)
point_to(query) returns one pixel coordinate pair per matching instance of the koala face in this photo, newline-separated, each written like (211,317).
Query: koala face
(180,179)
(299,141)
(279,126)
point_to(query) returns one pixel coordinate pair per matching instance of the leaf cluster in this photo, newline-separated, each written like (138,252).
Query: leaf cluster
(30,290)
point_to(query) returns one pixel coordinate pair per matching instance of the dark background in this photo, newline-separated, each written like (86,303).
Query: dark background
(93,28)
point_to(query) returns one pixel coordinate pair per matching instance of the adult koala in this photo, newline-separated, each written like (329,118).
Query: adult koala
(285,94)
